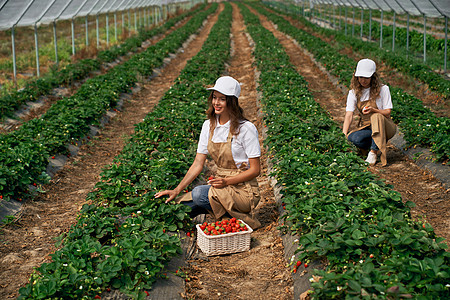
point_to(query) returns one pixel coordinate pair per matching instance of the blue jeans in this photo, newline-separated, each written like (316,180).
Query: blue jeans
(363,139)
(200,201)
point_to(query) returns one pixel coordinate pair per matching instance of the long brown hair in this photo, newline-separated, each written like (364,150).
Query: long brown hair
(375,87)
(236,113)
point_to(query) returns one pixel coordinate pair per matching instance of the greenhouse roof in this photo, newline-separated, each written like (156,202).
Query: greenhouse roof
(429,8)
(31,12)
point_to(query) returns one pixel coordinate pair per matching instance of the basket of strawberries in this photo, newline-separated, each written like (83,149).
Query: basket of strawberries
(223,237)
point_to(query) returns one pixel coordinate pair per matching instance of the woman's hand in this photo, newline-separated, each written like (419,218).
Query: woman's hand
(218,182)
(171,193)
(368,109)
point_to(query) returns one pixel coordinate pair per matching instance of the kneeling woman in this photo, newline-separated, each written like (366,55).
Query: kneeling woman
(374,104)
(232,142)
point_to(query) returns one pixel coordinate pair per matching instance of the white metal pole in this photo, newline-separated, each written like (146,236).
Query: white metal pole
(86,22)
(72,26)
(36,44)
(381,30)
(393,34)
(107,29)
(424,38)
(445,45)
(56,43)
(407,34)
(13,46)
(96,30)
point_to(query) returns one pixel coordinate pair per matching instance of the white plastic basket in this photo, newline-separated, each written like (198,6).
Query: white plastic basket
(224,243)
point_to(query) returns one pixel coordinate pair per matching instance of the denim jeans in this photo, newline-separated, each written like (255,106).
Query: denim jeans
(200,201)
(363,139)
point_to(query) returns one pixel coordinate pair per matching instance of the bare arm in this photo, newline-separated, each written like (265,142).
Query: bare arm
(385,112)
(252,172)
(195,169)
(347,122)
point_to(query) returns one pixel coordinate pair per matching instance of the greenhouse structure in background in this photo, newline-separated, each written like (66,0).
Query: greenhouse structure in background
(339,14)
(33,13)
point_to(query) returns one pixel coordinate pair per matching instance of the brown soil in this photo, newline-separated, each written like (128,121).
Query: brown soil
(413,183)
(259,273)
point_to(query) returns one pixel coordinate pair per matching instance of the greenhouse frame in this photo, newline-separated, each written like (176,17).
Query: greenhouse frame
(25,13)
(423,8)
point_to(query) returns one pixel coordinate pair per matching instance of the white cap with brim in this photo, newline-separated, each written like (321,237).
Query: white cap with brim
(365,68)
(228,86)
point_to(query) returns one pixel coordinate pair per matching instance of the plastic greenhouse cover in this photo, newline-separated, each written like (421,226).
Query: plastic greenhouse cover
(29,12)
(429,8)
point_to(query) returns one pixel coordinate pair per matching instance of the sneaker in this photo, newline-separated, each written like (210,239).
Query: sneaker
(371,158)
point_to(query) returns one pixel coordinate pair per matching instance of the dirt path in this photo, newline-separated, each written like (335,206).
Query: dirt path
(413,183)
(27,243)
(259,273)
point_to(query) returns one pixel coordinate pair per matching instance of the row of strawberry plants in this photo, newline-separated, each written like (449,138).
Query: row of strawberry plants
(124,240)
(420,125)
(24,153)
(342,213)
(81,69)
(419,71)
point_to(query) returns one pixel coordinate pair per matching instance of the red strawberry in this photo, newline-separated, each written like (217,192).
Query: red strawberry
(306,265)
(146,293)
(299,263)
(97,297)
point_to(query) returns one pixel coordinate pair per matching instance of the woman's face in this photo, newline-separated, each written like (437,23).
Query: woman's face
(219,103)
(364,81)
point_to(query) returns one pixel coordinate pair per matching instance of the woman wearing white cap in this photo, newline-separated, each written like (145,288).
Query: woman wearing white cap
(232,142)
(373,101)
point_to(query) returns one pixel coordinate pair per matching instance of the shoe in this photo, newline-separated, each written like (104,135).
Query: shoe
(371,158)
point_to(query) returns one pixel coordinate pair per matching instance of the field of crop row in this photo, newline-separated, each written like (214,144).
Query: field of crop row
(357,225)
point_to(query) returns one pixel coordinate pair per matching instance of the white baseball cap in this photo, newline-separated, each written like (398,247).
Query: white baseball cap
(365,68)
(228,86)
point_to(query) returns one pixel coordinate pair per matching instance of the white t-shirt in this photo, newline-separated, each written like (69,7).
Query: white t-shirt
(384,101)
(243,146)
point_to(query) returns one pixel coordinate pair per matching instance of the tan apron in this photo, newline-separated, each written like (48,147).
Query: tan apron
(238,200)
(383,128)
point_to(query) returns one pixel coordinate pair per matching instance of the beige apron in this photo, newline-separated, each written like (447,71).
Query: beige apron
(238,200)
(383,128)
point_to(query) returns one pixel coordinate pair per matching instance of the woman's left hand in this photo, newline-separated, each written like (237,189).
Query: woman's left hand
(218,182)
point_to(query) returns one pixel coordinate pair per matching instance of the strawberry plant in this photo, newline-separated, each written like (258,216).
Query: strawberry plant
(126,237)
(433,131)
(342,213)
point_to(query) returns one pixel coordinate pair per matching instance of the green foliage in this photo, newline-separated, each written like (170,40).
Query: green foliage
(126,237)
(342,213)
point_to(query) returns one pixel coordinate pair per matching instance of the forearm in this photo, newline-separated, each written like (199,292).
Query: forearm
(247,175)
(384,112)
(347,122)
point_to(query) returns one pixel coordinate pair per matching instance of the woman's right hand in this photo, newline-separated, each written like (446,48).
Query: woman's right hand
(171,193)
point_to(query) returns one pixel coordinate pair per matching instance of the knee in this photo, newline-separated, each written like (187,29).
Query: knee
(377,117)
(196,193)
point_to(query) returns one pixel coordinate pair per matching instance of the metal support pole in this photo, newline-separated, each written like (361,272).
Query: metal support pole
(97,31)
(129,18)
(381,30)
(370,24)
(393,34)
(115,26)
(362,22)
(56,43)
(36,44)
(72,26)
(135,21)
(445,45)
(346,20)
(13,45)
(107,29)
(353,22)
(407,35)
(86,22)
(424,38)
